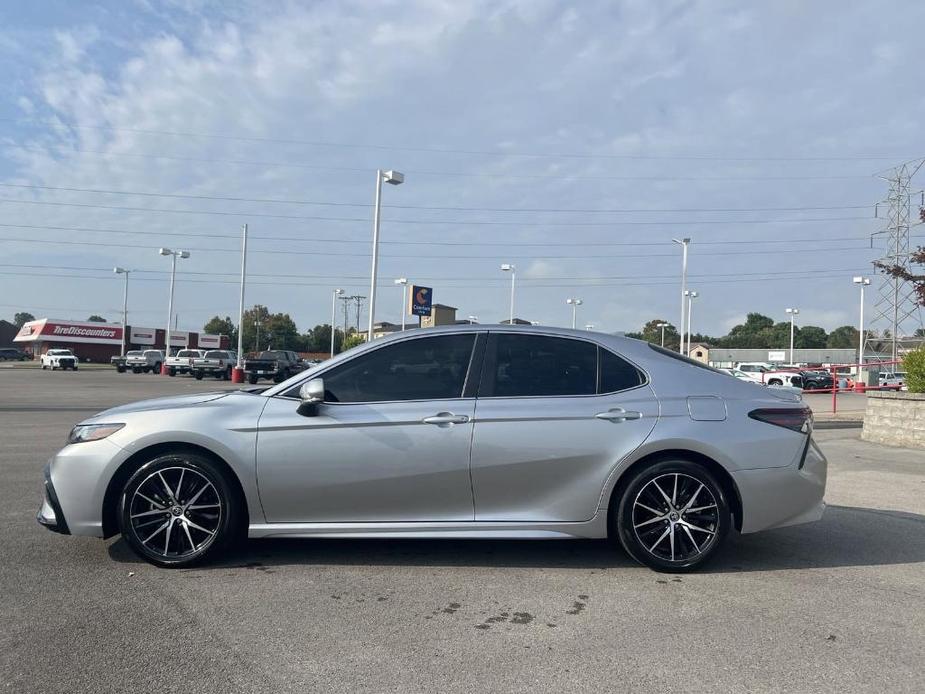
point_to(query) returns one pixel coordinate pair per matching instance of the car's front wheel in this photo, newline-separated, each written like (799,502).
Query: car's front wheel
(672,516)
(178,509)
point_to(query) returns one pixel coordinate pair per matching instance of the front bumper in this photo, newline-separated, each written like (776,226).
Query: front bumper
(50,514)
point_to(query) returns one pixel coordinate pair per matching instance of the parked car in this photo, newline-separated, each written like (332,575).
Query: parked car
(215,362)
(13,354)
(816,379)
(144,361)
(59,359)
(892,380)
(276,364)
(182,361)
(743,376)
(771,376)
(457,431)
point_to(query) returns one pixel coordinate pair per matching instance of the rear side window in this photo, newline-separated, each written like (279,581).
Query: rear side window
(617,373)
(536,365)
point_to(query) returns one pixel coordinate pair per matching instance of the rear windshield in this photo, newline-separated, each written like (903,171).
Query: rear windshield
(133,354)
(681,357)
(187,353)
(59,352)
(216,355)
(269,355)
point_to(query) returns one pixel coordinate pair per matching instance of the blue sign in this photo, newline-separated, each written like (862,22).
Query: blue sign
(422,300)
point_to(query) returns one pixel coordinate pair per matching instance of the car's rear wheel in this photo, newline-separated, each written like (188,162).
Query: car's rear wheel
(252,379)
(672,516)
(178,509)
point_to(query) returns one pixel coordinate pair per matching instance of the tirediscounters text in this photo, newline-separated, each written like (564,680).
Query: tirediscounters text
(74,331)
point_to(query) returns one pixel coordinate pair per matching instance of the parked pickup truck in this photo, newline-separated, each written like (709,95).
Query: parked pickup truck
(144,361)
(766,373)
(182,361)
(215,362)
(59,359)
(277,364)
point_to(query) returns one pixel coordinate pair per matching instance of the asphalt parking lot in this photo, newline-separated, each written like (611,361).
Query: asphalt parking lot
(837,605)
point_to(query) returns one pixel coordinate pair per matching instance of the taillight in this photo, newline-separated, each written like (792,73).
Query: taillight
(793,418)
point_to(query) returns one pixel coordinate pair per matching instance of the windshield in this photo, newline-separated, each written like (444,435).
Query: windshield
(268,355)
(59,352)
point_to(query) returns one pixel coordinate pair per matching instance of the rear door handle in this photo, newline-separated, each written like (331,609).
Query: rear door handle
(618,414)
(442,419)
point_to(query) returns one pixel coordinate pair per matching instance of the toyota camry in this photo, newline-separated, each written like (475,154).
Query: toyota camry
(459,432)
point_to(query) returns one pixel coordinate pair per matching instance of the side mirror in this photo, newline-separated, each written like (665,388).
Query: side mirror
(311,394)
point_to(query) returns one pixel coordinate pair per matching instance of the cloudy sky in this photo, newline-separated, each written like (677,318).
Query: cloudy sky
(573,140)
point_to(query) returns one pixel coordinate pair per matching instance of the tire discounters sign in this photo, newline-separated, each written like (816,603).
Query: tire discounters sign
(422,300)
(45,330)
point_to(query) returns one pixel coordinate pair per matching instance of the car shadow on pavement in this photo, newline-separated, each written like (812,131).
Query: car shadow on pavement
(846,536)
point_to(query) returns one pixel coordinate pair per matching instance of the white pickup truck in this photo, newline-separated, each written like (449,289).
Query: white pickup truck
(59,359)
(763,372)
(182,361)
(144,360)
(215,362)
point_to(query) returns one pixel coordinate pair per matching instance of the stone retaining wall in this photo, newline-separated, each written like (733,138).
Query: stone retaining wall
(895,418)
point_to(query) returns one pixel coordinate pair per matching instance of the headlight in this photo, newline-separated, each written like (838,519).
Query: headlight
(92,432)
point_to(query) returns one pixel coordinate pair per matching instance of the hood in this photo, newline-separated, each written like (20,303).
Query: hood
(169,403)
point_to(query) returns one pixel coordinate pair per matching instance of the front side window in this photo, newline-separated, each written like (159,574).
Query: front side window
(427,368)
(536,365)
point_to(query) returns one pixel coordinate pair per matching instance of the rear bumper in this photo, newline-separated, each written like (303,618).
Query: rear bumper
(50,514)
(777,497)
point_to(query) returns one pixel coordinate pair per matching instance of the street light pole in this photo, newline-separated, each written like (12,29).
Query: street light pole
(123,271)
(395,178)
(685,242)
(691,295)
(793,312)
(473,320)
(863,281)
(662,326)
(173,275)
(507,267)
(336,293)
(575,303)
(403,281)
(240,364)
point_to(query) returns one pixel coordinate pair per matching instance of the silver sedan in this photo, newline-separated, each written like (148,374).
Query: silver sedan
(461,432)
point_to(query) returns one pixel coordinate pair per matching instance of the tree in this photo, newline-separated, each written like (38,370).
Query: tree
(96,319)
(755,332)
(810,337)
(318,339)
(20,319)
(222,326)
(353,340)
(917,257)
(281,332)
(843,337)
(652,333)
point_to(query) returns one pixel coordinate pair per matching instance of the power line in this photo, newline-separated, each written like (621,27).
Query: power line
(225,198)
(441,150)
(434,222)
(365,242)
(420,255)
(426,172)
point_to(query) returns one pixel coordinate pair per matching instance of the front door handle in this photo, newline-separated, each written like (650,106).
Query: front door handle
(618,414)
(442,419)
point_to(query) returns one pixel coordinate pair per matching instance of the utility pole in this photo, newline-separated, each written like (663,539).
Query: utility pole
(897,305)
(346,300)
(359,302)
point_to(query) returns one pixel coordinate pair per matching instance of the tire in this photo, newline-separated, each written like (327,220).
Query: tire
(775,382)
(199,375)
(189,535)
(252,379)
(226,376)
(136,370)
(44,367)
(172,371)
(156,369)
(652,529)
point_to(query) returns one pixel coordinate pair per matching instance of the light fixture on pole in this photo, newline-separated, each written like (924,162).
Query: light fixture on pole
(685,242)
(473,320)
(662,326)
(575,303)
(507,267)
(336,293)
(589,326)
(173,274)
(691,295)
(395,178)
(403,281)
(123,271)
(793,313)
(863,281)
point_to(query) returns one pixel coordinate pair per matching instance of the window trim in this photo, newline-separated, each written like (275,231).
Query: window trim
(475,345)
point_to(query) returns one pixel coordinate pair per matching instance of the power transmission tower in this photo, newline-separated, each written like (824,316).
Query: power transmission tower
(897,308)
